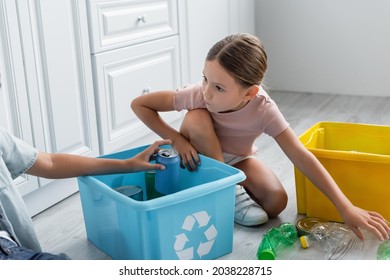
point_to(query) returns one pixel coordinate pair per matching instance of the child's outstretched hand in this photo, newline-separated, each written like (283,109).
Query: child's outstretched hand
(141,161)
(356,218)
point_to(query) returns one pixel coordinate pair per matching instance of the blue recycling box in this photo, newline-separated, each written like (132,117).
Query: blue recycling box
(194,223)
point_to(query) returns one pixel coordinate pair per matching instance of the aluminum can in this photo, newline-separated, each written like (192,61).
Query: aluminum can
(151,192)
(167,181)
(133,192)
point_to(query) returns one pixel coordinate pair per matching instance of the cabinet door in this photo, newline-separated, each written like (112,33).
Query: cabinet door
(52,92)
(123,74)
(57,62)
(58,72)
(14,108)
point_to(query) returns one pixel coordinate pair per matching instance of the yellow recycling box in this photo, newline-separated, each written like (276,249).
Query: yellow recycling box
(357,156)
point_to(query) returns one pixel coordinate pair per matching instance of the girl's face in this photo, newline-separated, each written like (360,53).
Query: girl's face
(221,91)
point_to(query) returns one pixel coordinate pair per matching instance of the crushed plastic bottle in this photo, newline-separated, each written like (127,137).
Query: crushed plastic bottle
(327,237)
(383,252)
(285,234)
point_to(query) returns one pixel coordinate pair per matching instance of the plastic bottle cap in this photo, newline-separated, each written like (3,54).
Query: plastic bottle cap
(304,242)
(266,255)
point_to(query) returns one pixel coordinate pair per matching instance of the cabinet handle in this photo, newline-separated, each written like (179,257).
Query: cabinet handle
(146,90)
(141,18)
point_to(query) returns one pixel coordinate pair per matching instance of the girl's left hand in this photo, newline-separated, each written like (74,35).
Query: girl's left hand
(357,218)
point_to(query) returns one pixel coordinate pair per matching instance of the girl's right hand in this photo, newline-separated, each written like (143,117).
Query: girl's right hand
(189,157)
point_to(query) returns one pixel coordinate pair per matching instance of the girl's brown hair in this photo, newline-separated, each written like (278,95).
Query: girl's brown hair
(243,56)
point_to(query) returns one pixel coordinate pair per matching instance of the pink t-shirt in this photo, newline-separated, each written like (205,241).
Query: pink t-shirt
(238,130)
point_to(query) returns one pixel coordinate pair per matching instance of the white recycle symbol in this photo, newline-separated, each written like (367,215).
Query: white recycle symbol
(202,218)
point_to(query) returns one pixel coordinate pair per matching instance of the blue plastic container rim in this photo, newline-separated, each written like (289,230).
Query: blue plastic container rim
(170,199)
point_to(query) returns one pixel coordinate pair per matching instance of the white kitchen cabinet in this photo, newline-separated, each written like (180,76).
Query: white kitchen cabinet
(48,90)
(141,46)
(126,73)
(135,50)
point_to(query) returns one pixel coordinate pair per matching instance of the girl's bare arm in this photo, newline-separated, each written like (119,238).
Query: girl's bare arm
(310,166)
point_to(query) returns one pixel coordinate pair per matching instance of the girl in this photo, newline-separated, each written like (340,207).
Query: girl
(228,111)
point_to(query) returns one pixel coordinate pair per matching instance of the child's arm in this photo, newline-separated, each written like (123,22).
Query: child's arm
(147,106)
(353,216)
(58,166)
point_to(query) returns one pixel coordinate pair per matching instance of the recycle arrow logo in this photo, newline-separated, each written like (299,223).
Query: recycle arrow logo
(202,220)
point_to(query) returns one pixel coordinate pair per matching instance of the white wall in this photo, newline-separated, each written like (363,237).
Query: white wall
(328,46)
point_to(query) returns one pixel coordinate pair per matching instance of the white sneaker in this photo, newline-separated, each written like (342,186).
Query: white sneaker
(247,212)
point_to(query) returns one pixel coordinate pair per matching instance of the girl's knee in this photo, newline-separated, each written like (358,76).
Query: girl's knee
(198,128)
(278,202)
(271,196)
(197,117)
(196,122)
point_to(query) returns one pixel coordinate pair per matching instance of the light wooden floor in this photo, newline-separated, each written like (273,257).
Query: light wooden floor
(61,228)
